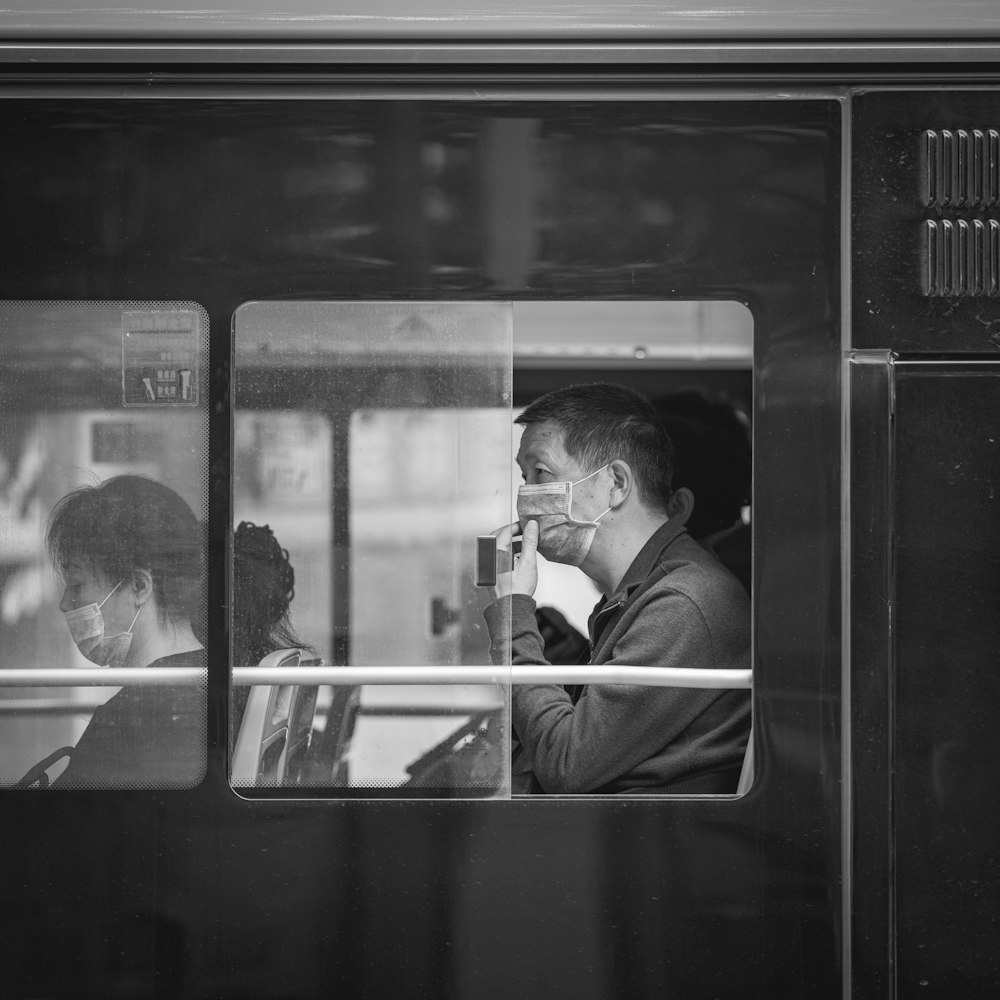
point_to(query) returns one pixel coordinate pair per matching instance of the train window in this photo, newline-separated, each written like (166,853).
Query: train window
(103,492)
(371,447)
(372,452)
(693,361)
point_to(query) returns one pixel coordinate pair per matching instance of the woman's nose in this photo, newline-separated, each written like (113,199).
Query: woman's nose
(65,604)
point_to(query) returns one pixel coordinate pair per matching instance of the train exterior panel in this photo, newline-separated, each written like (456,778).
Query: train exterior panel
(300,186)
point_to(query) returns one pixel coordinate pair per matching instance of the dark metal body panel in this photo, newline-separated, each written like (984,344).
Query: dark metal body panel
(203,893)
(890,310)
(926,642)
(871,697)
(925,580)
(947,681)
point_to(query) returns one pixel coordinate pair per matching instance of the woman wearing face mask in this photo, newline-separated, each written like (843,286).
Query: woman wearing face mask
(131,554)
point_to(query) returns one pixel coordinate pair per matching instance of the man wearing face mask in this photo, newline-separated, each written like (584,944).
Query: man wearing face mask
(597,466)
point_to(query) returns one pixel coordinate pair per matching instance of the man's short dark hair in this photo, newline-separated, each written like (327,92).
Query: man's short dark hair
(601,422)
(712,459)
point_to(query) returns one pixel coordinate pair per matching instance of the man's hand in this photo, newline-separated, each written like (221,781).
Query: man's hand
(523,578)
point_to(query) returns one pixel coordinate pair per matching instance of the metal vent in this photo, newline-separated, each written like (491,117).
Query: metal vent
(961,257)
(960,168)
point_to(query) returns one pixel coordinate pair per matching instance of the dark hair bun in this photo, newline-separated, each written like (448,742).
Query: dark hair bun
(257,545)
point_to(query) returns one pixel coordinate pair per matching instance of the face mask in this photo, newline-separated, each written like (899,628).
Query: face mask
(86,626)
(561,538)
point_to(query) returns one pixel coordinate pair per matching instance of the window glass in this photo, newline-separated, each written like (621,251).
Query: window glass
(103,490)
(371,443)
(686,364)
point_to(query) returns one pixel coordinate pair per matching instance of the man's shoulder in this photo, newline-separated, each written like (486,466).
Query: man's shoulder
(689,570)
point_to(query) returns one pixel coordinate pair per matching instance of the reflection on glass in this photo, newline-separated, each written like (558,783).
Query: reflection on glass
(372,438)
(102,456)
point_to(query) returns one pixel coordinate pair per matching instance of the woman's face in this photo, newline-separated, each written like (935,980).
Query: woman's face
(85,584)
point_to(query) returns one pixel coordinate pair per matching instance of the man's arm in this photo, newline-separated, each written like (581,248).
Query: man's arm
(526,643)
(616,728)
(513,612)
(511,617)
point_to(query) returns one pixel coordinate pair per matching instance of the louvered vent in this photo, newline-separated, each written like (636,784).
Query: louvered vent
(961,169)
(961,257)
(960,176)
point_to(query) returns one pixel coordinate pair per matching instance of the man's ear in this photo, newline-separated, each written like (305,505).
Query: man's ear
(680,507)
(141,584)
(622,482)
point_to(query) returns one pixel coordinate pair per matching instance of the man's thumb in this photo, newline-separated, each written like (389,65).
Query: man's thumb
(530,535)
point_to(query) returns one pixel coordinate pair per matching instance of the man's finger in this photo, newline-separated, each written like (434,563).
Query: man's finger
(529,538)
(505,534)
(525,576)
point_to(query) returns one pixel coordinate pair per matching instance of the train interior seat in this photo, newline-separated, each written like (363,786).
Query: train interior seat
(746,772)
(277,726)
(38,774)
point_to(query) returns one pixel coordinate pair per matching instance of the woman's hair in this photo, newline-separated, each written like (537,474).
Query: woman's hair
(263,588)
(133,522)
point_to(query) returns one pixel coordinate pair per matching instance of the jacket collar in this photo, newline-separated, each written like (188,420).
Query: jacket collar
(649,555)
(637,573)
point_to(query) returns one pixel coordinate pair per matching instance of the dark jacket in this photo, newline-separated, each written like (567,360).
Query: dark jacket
(145,737)
(677,606)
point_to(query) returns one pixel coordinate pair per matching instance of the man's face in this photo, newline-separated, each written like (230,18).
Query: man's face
(542,457)
(565,516)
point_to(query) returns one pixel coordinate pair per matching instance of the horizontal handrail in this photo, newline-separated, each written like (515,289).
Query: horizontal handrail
(681,677)
(29,677)
(352,676)
(686,677)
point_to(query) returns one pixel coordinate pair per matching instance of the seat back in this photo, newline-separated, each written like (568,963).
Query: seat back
(746,773)
(276,728)
(38,775)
